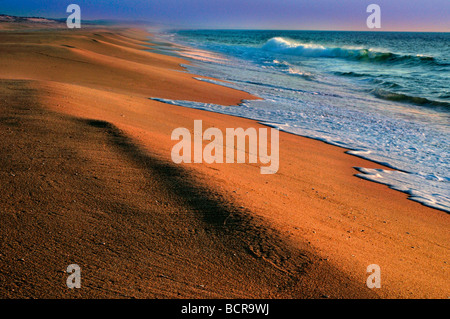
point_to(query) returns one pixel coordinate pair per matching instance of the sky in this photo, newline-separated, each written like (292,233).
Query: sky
(396,15)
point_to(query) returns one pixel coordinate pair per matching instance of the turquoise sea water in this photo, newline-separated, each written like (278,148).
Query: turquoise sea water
(384,95)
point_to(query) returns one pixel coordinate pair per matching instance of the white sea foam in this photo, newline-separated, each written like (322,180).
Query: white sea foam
(408,183)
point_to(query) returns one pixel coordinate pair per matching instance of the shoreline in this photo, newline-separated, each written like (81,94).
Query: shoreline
(421,196)
(321,228)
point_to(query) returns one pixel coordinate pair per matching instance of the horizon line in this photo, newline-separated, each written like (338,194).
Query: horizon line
(162,26)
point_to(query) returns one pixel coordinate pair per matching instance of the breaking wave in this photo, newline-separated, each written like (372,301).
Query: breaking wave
(292,47)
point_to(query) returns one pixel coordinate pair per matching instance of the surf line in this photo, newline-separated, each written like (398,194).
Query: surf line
(235,144)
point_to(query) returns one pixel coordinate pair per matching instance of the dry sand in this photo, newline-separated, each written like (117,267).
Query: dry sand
(87,178)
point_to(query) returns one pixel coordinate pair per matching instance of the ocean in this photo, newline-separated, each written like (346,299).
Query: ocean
(383,95)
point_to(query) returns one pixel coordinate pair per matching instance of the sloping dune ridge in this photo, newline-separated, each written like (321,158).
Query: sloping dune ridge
(87,178)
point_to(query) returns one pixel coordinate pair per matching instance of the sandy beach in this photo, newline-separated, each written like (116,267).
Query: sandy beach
(87,178)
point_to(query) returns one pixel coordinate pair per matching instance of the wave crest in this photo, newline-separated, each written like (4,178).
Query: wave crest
(292,47)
